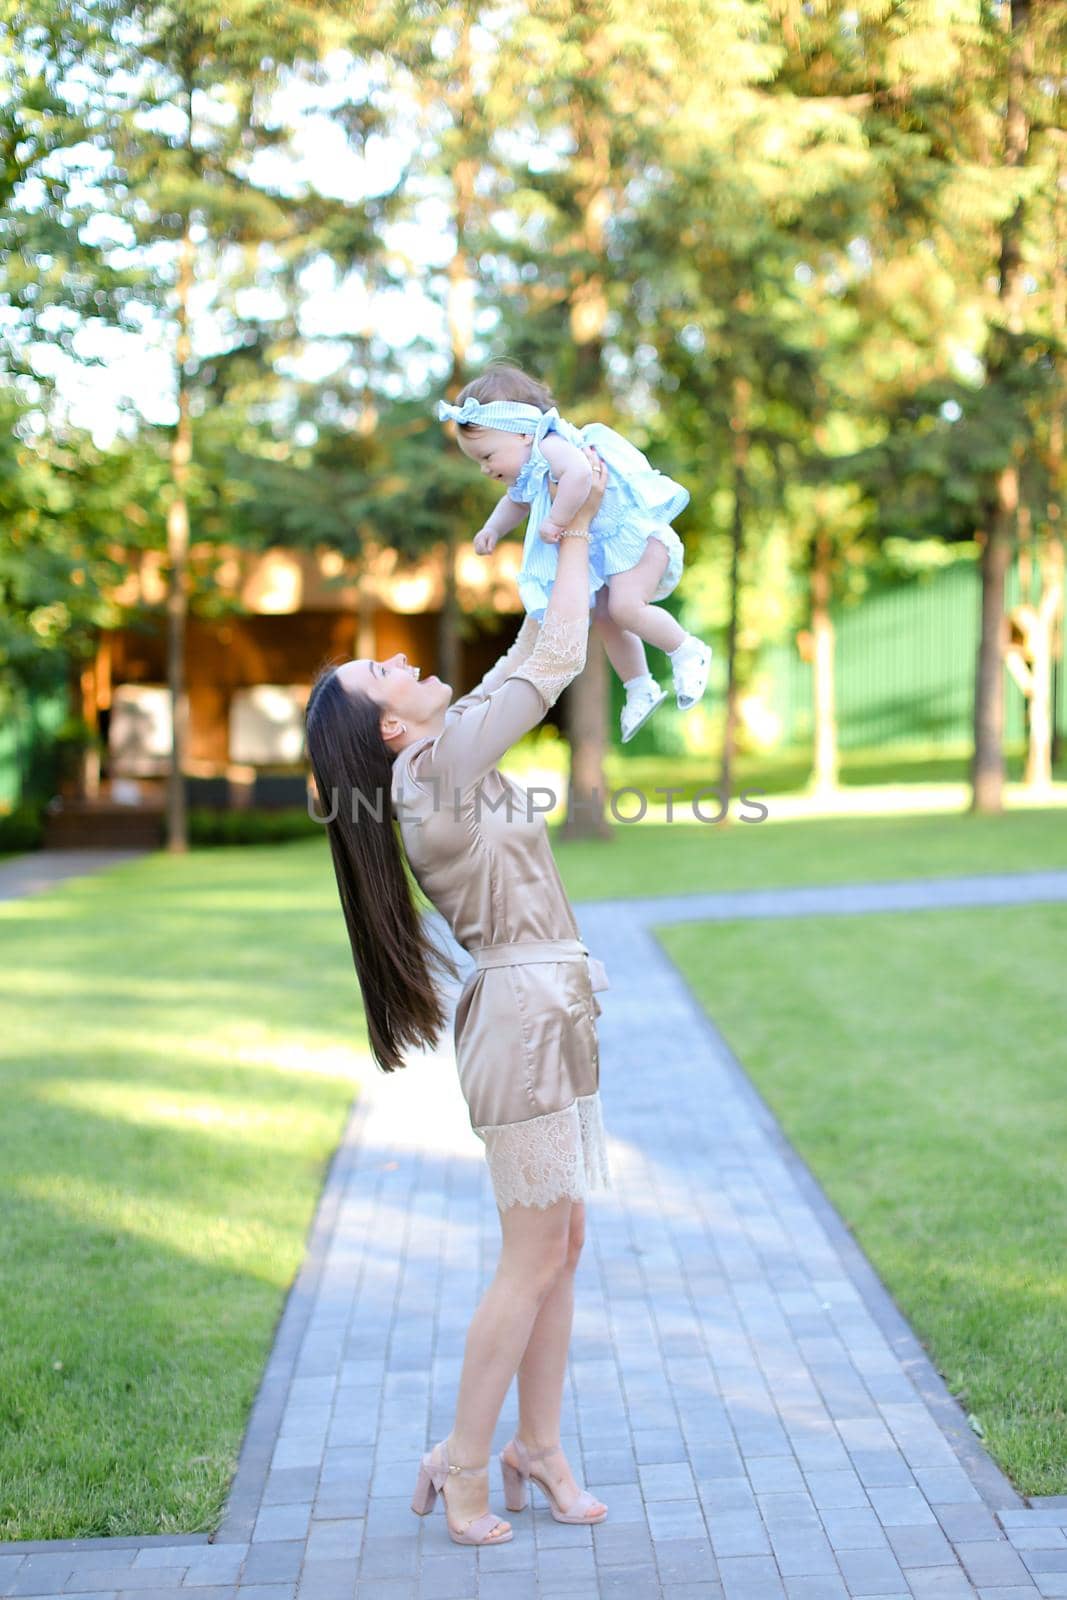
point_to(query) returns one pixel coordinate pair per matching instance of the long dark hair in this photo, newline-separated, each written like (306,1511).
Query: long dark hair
(393,954)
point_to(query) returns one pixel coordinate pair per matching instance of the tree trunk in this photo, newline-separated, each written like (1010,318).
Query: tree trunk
(583,704)
(987,767)
(178,555)
(1038,775)
(586,701)
(825,771)
(1054,553)
(740,450)
(466,112)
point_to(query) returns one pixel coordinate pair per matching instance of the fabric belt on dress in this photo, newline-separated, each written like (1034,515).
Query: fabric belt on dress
(531,950)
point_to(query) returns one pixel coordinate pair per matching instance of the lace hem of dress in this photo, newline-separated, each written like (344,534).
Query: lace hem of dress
(558,656)
(544,1159)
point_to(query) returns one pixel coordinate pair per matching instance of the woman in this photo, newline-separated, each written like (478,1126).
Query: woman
(526,1046)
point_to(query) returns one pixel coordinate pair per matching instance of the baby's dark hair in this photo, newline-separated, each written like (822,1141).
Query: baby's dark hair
(502,380)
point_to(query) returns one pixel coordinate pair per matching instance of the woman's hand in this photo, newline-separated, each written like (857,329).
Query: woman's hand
(591,504)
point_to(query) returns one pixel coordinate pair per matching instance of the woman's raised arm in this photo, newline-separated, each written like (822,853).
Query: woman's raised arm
(474,741)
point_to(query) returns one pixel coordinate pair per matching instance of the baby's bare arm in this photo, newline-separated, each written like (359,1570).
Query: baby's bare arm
(575,477)
(506,514)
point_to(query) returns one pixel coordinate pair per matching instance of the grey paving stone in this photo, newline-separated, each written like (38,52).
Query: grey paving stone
(775,1474)
(165,1555)
(992,1561)
(750,1578)
(737,1534)
(622,1544)
(605,1467)
(854,1528)
(327,1580)
(824,1587)
(287,1486)
(218,1592)
(714,1459)
(676,1519)
(967,1520)
(788,1510)
(655,1446)
(273,1562)
(871,1572)
(563,1569)
(666,1481)
(881,1469)
(335,1541)
(900,1507)
(684,1561)
(47,1571)
(444,1578)
(1042,1537)
(281,1523)
(1042,1559)
(836,1491)
(920,1546)
(389,1557)
(946,1485)
(940,1583)
(121,1578)
(681,1591)
(802,1552)
(636,1583)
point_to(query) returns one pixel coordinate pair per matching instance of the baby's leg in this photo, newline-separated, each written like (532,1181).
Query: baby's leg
(629,600)
(624,650)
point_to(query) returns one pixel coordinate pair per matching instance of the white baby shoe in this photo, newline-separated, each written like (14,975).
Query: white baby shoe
(690,665)
(644,698)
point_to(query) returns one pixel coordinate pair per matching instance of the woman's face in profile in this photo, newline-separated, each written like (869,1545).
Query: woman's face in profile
(396,687)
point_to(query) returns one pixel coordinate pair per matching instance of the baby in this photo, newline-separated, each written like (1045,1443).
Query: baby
(508,424)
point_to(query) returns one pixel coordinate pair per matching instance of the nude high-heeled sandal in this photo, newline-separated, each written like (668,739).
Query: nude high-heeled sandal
(433,1474)
(516,1479)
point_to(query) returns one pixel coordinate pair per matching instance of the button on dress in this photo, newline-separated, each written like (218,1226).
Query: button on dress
(525,1022)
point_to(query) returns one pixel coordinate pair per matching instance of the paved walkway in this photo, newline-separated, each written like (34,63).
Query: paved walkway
(42,869)
(742,1392)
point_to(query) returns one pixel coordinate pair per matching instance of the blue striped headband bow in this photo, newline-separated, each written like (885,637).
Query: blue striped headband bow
(510,416)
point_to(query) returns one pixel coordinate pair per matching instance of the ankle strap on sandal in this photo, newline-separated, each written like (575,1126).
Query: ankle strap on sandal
(470,1472)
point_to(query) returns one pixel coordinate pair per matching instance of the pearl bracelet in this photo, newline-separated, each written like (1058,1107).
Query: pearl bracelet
(575,533)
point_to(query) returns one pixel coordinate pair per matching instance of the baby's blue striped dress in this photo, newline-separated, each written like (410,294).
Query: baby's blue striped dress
(638,502)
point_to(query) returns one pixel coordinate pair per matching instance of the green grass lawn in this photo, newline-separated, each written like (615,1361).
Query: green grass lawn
(915,1061)
(650,859)
(175,1074)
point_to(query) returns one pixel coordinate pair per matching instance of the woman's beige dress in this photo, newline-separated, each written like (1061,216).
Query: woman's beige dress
(525,1022)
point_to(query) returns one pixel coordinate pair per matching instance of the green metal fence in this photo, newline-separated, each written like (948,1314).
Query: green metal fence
(904,667)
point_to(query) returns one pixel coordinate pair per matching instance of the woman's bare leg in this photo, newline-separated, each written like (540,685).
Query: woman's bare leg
(543,1370)
(534,1250)
(629,600)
